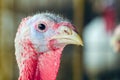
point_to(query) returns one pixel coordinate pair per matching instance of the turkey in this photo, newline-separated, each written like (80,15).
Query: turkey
(101,63)
(39,43)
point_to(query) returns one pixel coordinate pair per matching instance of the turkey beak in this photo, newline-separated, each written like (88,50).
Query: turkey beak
(67,36)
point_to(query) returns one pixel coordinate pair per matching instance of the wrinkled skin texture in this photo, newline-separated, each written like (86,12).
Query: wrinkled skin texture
(38,51)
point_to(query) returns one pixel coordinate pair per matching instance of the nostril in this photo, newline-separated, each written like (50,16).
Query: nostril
(66,32)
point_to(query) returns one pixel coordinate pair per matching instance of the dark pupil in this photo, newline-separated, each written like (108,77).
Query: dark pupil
(41,26)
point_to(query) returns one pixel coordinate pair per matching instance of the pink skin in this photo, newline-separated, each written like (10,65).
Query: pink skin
(34,65)
(39,66)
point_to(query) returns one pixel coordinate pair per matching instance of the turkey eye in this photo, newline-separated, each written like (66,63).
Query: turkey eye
(41,26)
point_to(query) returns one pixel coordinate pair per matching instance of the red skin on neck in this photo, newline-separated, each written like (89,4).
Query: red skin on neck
(49,64)
(39,66)
(34,65)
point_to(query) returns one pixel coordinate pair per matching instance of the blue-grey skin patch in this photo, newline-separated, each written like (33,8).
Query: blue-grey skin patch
(39,36)
(42,37)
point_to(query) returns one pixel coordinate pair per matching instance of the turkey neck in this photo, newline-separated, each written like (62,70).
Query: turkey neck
(48,64)
(44,66)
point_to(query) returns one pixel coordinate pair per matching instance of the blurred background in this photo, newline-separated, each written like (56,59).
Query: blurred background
(98,59)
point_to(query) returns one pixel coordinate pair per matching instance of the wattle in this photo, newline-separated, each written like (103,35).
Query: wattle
(49,64)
